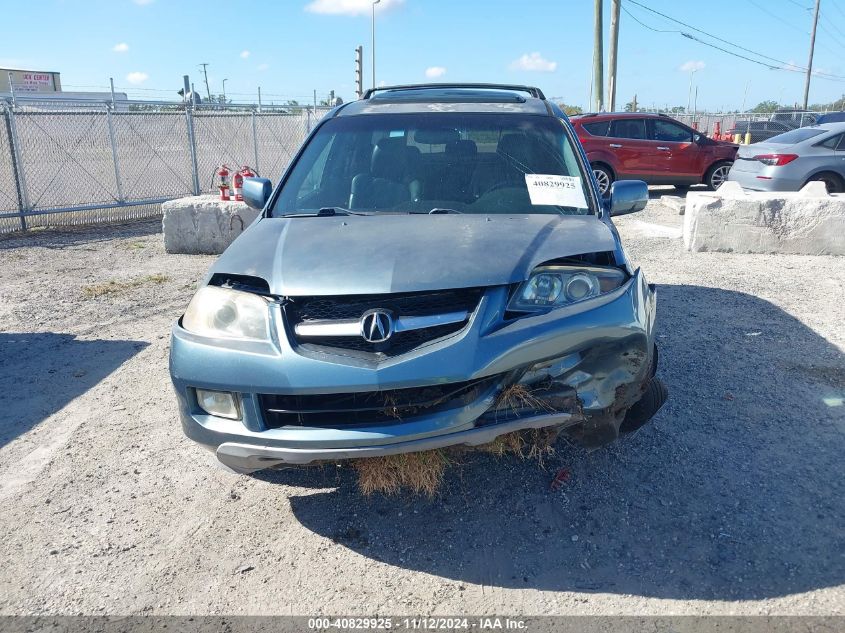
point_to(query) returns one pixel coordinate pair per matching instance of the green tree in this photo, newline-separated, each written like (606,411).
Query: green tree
(570,110)
(629,107)
(766,106)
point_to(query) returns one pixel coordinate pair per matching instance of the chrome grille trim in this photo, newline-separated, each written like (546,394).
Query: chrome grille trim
(352,327)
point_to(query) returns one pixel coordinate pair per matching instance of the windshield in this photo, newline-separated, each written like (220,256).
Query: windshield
(437,162)
(795,136)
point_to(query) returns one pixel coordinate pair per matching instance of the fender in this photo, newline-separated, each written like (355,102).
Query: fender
(608,158)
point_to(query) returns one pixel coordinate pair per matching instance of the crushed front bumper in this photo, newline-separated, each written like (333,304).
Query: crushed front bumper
(593,358)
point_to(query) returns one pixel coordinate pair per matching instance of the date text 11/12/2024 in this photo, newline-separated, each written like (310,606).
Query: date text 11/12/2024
(418,624)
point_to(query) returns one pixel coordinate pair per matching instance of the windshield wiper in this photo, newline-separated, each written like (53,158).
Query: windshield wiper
(326,212)
(442,211)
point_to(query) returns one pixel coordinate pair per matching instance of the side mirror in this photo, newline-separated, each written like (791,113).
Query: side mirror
(257,192)
(628,196)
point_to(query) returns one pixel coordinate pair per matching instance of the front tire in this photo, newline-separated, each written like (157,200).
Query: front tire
(604,177)
(717,175)
(832,182)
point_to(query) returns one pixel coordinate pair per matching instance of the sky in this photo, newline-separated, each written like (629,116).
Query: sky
(292,47)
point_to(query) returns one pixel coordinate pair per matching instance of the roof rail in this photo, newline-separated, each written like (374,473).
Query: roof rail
(534,92)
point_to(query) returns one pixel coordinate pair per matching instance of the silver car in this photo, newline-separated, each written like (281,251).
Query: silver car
(789,161)
(436,267)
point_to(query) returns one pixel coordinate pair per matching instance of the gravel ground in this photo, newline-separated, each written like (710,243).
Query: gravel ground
(730,502)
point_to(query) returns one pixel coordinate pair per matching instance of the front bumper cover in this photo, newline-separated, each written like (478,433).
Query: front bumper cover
(601,350)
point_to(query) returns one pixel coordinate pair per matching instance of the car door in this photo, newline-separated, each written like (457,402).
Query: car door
(840,155)
(636,153)
(680,156)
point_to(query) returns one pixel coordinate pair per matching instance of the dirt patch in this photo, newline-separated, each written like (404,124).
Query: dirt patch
(114,286)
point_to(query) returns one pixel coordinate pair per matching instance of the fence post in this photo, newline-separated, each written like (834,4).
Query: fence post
(255,143)
(193,147)
(17,165)
(112,140)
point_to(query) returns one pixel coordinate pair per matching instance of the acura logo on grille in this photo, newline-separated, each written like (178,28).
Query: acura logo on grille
(376,326)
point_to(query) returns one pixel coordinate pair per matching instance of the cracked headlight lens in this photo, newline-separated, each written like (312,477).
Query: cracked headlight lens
(555,286)
(221,312)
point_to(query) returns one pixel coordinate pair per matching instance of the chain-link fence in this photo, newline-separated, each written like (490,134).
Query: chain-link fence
(82,164)
(710,123)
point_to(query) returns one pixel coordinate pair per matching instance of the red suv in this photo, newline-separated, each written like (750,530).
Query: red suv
(651,147)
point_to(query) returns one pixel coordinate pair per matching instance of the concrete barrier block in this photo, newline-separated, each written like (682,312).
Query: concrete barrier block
(676,203)
(806,222)
(203,225)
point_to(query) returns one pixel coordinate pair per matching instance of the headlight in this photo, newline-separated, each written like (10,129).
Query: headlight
(221,312)
(555,286)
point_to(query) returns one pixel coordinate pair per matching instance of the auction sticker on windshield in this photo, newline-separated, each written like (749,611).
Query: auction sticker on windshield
(562,191)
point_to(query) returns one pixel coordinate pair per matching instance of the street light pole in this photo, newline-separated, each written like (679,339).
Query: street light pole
(689,94)
(373,51)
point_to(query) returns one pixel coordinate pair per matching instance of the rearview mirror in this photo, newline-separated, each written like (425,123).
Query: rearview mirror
(628,196)
(257,192)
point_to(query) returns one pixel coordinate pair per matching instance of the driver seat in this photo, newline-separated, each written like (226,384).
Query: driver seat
(390,181)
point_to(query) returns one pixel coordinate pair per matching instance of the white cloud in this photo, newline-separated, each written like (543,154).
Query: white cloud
(433,72)
(533,62)
(245,54)
(349,7)
(120,48)
(692,66)
(137,77)
(263,66)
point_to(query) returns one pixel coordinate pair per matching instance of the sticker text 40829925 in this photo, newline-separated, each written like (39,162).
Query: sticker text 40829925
(563,191)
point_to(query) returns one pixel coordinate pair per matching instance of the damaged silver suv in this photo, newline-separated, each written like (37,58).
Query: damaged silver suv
(436,267)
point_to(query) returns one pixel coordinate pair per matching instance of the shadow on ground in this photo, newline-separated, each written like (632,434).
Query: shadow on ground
(42,372)
(61,237)
(733,493)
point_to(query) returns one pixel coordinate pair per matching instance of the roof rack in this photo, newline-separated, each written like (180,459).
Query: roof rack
(534,92)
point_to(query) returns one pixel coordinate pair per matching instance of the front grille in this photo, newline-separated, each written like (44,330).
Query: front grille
(369,407)
(305,309)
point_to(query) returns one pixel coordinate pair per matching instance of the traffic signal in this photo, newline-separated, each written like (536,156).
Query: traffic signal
(359,71)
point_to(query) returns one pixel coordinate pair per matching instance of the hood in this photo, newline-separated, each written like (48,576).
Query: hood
(379,254)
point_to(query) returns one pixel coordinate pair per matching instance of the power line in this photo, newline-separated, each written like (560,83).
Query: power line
(778,18)
(832,25)
(650,28)
(782,65)
(836,6)
(715,37)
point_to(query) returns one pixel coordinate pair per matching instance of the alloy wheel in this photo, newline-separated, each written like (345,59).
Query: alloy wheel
(719,176)
(603,179)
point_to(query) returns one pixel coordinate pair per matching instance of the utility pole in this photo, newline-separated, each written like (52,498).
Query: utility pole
(224,90)
(359,71)
(205,73)
(812,48)
(614,47)
(598,59)
(375,2)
